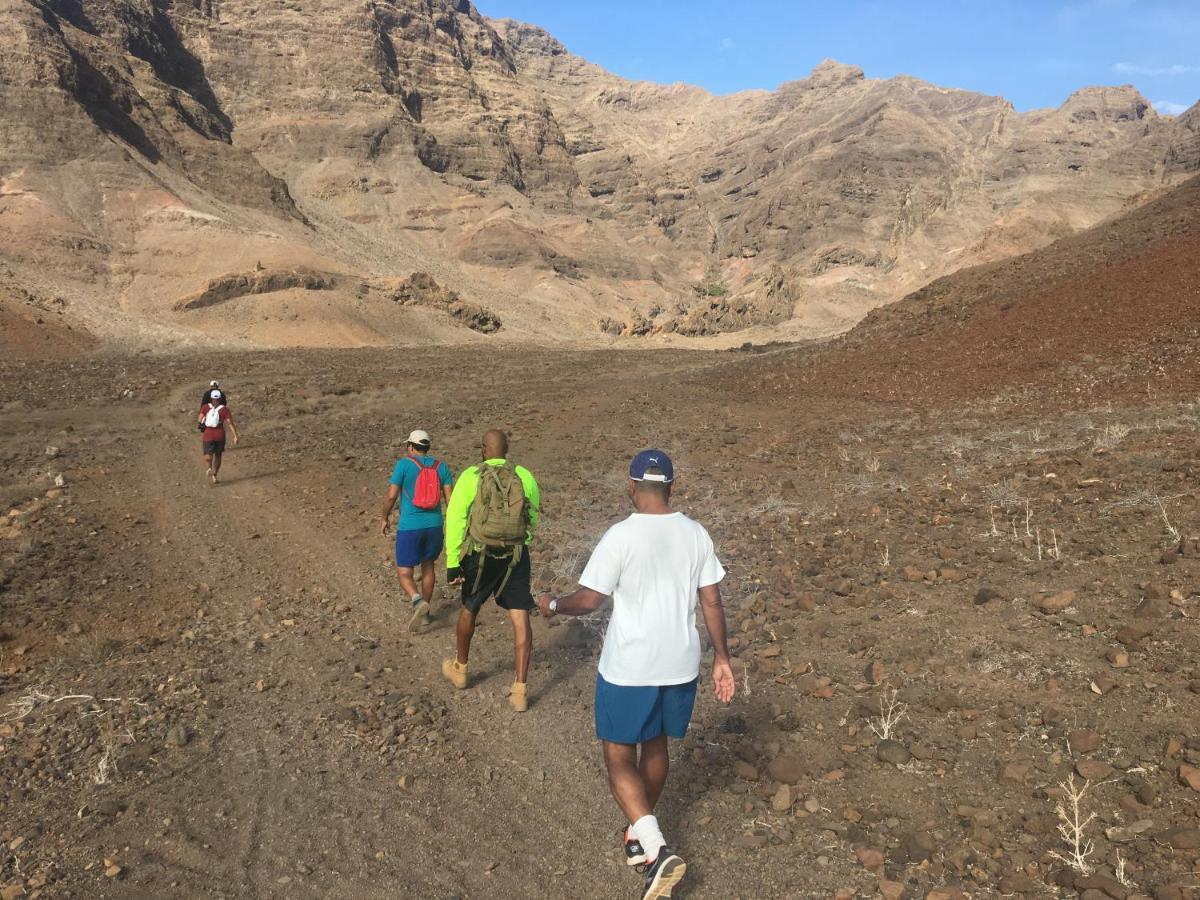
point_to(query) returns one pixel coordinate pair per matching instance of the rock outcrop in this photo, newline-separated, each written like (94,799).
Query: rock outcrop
(149,148)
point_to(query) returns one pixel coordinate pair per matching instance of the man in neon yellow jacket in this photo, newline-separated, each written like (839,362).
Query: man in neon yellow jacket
(486,572)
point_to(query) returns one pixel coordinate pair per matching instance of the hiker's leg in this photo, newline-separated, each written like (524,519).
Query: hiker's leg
(625,779)
(208,461)
(428,578)
(407,583)
(653,766)
(463,632)
(216,463)
(522,642)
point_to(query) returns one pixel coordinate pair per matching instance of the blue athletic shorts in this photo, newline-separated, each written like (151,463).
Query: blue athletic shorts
(634,715)
(420,545)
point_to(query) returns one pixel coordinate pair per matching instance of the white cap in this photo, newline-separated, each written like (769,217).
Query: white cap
(212,384)
(419,438)
(216,395)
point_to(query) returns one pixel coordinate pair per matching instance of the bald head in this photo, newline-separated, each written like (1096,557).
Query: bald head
(495,444)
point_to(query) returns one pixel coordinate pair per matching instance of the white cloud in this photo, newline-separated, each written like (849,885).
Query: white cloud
(1170,108)
(1155,71)
(728,43)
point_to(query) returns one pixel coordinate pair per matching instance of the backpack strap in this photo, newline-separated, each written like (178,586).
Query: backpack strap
(514,558)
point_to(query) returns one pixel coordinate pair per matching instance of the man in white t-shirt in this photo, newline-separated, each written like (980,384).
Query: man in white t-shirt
(654,564)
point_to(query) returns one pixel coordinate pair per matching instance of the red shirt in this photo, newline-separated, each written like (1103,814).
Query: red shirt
(218,433)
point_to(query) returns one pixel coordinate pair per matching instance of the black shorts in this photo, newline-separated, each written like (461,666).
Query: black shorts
(516,594)
(214,448)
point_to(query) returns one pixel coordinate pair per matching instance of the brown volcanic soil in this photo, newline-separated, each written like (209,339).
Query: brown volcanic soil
(1110,314)
(211,690)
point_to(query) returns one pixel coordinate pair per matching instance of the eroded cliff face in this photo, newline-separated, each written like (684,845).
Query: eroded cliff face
(149,148)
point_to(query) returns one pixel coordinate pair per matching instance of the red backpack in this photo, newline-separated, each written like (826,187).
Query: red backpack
(427,492)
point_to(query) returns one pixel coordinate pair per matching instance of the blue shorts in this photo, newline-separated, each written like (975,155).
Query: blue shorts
(634,715)
(420,545)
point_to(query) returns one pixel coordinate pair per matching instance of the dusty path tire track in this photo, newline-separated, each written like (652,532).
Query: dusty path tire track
(252,522)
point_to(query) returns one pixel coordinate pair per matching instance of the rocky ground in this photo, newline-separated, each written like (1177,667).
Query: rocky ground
(943,621)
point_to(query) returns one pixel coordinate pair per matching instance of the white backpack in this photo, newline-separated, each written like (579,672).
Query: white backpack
(212,418)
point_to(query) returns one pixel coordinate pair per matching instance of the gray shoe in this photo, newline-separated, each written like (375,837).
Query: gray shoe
(420,615)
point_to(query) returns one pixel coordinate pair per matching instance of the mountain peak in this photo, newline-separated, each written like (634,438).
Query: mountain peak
(831,72)
(528,39)
(1123,103)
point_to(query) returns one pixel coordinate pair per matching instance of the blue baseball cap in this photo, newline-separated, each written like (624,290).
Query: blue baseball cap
(652,459)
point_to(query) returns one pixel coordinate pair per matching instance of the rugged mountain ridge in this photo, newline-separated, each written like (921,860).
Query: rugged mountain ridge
(150,147)
(1110,314)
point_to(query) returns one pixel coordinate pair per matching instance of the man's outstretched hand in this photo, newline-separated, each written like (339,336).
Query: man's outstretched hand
(454,575)
(723,682)
(543,604)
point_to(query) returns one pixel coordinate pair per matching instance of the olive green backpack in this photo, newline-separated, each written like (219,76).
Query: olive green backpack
(499,518)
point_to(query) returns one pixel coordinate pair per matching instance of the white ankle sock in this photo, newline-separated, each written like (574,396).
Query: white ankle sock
(647,832)
(416,598)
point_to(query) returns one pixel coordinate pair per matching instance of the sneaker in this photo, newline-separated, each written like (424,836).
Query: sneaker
(516,696)
(635,855)
(420,615)
(455,672)
(662,875)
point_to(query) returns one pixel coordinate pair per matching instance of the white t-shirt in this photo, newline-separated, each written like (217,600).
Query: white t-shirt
(652,566)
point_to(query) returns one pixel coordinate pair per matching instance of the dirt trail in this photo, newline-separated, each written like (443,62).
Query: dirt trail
(293,620)
(211,688)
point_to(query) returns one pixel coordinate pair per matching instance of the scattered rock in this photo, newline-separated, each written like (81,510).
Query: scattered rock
(986,595)
(745,771)
(1135,632)
(787,768)
(1152,608)
(874,672)
(1019,883)
(1104,886)
(1016,772)
(1118,658)
(1081,740)
(871,859)
(1181,838)
(1057,602)
(1093,769)
(1123,834)
(1190,776)
(893,752)
(782,799)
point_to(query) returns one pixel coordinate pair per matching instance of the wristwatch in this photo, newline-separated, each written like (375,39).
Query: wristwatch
(553,605)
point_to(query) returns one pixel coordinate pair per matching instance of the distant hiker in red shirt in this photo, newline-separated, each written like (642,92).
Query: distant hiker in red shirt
(215,417)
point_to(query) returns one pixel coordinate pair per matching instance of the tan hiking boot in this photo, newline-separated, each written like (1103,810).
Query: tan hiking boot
(517,697)
(455,672)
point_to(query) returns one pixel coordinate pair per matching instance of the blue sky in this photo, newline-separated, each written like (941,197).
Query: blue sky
(1033,53)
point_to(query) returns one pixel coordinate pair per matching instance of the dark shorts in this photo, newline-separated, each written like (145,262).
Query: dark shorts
(634,715)
(214,448)
(516,594)
(420,545)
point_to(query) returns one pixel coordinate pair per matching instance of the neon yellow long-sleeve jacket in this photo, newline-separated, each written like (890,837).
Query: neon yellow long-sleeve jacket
(463,496)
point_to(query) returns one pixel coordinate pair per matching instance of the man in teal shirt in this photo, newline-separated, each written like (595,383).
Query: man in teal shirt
(419,533)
